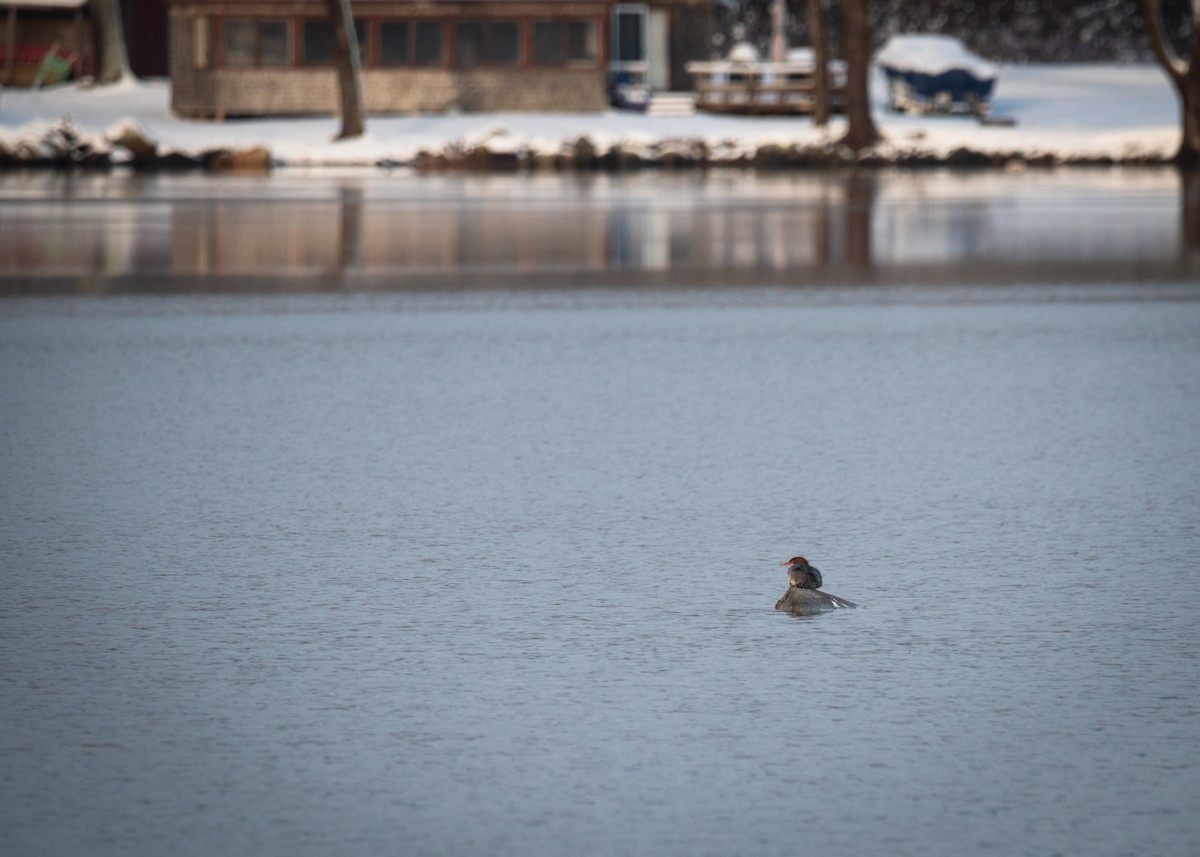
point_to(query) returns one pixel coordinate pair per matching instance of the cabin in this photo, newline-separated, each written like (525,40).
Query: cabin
(275,57)
(44,41)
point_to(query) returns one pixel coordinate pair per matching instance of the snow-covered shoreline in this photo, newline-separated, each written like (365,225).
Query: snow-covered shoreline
(1063,114)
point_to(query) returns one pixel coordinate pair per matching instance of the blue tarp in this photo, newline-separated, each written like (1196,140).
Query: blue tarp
(935,73)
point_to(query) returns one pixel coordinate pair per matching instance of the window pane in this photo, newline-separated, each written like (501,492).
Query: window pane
(393,43)
(547,43)
(581,41)
(318,43)
(506,43)
(237,41)
(468,43)
(429,43)
(361,33)
(273,42)
(629,37)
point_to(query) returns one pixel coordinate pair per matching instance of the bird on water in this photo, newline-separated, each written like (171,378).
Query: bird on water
(803,597)
(801,574)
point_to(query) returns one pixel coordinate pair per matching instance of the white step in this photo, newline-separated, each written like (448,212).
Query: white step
(671,104)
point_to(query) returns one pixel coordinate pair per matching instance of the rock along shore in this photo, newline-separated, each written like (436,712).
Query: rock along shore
(63,145)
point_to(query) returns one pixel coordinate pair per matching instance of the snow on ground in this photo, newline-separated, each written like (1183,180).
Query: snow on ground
(1068,111)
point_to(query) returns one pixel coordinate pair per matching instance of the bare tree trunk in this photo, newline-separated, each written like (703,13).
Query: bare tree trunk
(816,31)
(1189,96)
(112,62)
(860,132)
(1185,76)
(349,68)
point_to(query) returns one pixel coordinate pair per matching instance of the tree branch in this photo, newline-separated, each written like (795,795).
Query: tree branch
(1163,51)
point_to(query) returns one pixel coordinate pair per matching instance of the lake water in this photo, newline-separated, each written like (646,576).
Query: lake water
(378,566)
(97,234)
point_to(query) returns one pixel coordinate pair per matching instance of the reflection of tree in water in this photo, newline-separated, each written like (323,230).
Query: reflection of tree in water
(351,222)
(860,207)
(842,233)
(1189,216)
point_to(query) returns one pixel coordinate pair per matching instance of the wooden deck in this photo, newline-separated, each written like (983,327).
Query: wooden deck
(762,88)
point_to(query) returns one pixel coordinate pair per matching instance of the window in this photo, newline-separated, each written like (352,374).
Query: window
(429,43)
(582,42)
(273,43)
(548,43)
(308,42)
(248,41)
(506,43)
(492,43)
(393,43)
(468,44)
(318,41)
(238,41)
(363,35)
(422,43)
(565,42)
(630,24)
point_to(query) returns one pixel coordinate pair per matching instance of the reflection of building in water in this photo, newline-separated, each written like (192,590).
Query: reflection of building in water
(722,228)
(66,239)
(802,230)
(256,238)
(488,236)
(314,237)
(224,237)
(790,228)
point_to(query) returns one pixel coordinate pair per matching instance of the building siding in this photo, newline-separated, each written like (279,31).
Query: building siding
(202,90)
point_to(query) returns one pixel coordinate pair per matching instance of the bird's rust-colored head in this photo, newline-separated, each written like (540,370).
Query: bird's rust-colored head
(801,574)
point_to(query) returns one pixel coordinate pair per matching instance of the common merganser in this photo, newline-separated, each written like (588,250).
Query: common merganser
(801,574)
(803,597)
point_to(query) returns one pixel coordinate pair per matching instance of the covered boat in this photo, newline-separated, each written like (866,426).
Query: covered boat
(935,74)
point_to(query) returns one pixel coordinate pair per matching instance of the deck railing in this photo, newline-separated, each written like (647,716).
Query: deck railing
(762,87)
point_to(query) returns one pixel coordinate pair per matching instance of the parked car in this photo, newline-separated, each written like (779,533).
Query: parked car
(935,74)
